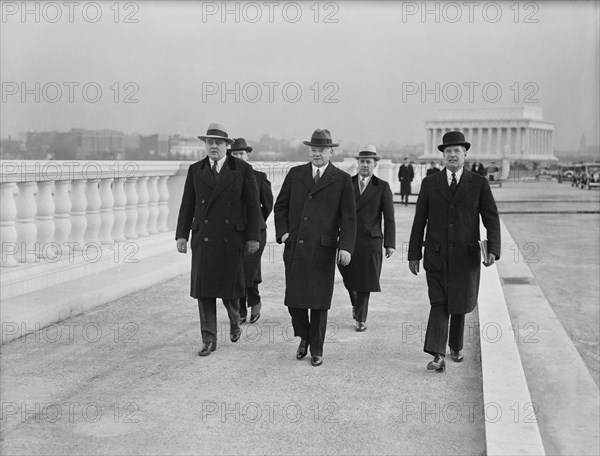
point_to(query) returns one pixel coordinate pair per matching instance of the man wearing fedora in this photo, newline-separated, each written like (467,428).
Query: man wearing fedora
(252,271)
(406,174)
(449,205)
(315,217)
(374,202)
(220,206)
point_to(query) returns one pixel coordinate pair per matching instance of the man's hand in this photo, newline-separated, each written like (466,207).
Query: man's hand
(182,245)
(284,237)
(491,259)
(343,257)
(413,265)
(252,247)
(389,251)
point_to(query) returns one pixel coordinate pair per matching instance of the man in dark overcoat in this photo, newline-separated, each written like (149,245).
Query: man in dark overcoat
(220,207)
(315,216)
(432,169)
(252,271)
(406,174)
(374,202)
(449,204)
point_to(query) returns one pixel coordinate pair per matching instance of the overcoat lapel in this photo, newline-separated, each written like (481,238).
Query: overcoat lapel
(205,174)
(464,186)
(225,178)
(368,193)
(326,179)
(442,185)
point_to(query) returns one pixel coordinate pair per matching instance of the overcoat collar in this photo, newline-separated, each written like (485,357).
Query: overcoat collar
(326,179)
(363,199)
(225,178)
(464,186)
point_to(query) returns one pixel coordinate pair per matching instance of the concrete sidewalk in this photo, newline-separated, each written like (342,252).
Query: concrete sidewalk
(124,378)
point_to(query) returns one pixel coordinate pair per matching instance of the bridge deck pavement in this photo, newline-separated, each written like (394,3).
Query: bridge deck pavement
(124,378)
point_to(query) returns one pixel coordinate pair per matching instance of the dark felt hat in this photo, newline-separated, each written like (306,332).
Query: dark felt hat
(454,138)
(321,138)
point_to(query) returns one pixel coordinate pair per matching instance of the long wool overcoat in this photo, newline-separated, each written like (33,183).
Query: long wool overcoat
(452,259)
(320,218)
(375,203)
(222,213)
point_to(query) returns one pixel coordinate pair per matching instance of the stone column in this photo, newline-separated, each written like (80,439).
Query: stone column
(131,207)
(25,224)
(142,207)
(92,211)
(78,218)
(62,214)
(107,217)
(44,220)
(120,200)
(8,232)
(163,204)
(152,204)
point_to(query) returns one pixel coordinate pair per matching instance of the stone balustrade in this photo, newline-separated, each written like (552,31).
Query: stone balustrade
(49,206)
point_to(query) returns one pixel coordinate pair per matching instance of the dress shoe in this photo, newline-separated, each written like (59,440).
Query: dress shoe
(255,315)
(242,320)
(302,349)
(438,364)
(207,348)
(360,326)
(235,334)
(316,361)
(457,356)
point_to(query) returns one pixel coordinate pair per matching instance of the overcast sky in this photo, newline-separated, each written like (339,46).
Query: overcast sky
(367,56)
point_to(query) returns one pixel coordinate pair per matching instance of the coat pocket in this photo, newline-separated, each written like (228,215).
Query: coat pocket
(328,241)
(241,227)
(376,234)
(432,260)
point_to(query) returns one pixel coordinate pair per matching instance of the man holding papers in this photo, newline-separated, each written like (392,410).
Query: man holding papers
(449,204)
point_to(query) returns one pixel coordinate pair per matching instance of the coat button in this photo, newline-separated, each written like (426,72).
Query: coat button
(451,225)
(300,241)
(305,219)
(205,239)
(225,239)
(452,206)
(203,201)
(205,221)
(309,197)
(226,221)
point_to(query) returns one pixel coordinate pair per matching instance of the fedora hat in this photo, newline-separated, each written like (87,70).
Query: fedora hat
(217,131)
(368,151)
(454,138)
(240,144)
(321,138)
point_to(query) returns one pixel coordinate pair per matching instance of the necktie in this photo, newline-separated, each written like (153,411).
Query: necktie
(215,171)
(362,186)
(453,184)
(317,176)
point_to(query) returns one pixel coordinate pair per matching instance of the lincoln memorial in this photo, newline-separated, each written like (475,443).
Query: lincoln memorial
(516,133)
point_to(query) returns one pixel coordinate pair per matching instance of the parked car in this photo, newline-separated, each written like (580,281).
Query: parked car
(590,176)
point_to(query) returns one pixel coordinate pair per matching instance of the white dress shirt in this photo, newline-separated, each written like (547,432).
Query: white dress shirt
(321,170)
(449,176)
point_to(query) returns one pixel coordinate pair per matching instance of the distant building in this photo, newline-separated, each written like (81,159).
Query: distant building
(516,133)
(186,148)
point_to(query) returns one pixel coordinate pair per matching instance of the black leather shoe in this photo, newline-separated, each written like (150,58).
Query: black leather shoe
(457,356)
(438,364)
(302,349)
(255,316)
(235,334)
(360,326)
(316,361)
(207,348)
